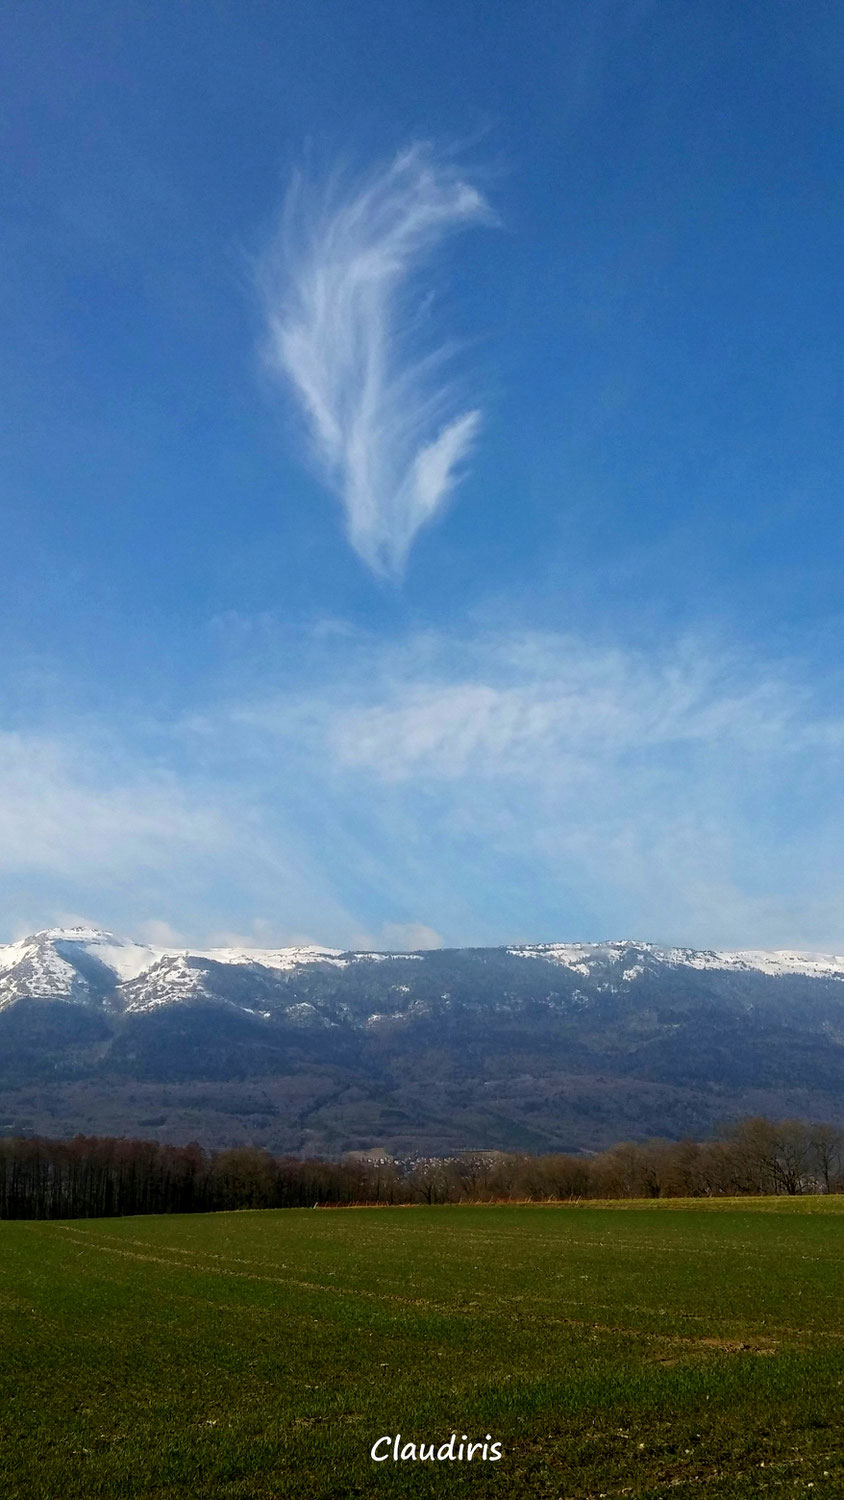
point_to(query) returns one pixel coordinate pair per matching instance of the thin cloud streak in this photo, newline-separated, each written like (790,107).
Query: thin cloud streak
(385,422)
(90,822)
(466,786)
(525,709)
(544,785)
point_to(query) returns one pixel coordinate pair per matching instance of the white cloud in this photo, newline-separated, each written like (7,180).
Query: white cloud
(159,934)
(67,807)
(689,792)
(407,937)
(89,821)
(504,708)
(385,423)
(461,787)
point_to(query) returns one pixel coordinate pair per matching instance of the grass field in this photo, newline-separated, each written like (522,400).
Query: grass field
(652,1350)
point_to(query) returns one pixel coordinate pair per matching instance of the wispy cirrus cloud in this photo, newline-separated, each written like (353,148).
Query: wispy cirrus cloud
(386,423)
(92,823)
(538,707)
(483,785)
(539,782)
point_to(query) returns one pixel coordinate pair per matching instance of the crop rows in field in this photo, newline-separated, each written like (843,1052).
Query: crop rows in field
(685,1351)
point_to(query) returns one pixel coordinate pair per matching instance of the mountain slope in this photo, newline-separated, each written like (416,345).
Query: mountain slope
(557,1046)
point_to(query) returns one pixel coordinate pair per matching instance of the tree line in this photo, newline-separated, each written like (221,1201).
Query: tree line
(99,1177)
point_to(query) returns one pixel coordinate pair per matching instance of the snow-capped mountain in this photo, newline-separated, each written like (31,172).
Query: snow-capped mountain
(541,1046)
(86,966)
(632,958)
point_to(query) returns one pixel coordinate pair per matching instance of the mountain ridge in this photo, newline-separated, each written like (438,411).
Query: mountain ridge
(316,1050)
(52,964)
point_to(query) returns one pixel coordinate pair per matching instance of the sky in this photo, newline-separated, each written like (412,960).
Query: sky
(421,472)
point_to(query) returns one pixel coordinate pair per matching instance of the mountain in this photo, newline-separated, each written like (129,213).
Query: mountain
(561,1046)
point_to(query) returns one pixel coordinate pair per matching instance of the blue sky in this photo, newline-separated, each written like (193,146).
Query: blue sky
(488,593)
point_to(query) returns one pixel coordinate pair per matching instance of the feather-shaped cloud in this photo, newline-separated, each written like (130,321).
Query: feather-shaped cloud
(385,422)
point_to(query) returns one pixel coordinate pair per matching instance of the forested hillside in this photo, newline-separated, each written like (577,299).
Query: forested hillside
(312,1052)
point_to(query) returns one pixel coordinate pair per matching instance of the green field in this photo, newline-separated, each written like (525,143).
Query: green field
(653,1350)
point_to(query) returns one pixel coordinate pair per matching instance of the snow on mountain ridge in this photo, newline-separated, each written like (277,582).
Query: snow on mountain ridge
(281,959)
(33,968)
(87,965)
(582,957)
(174,979)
